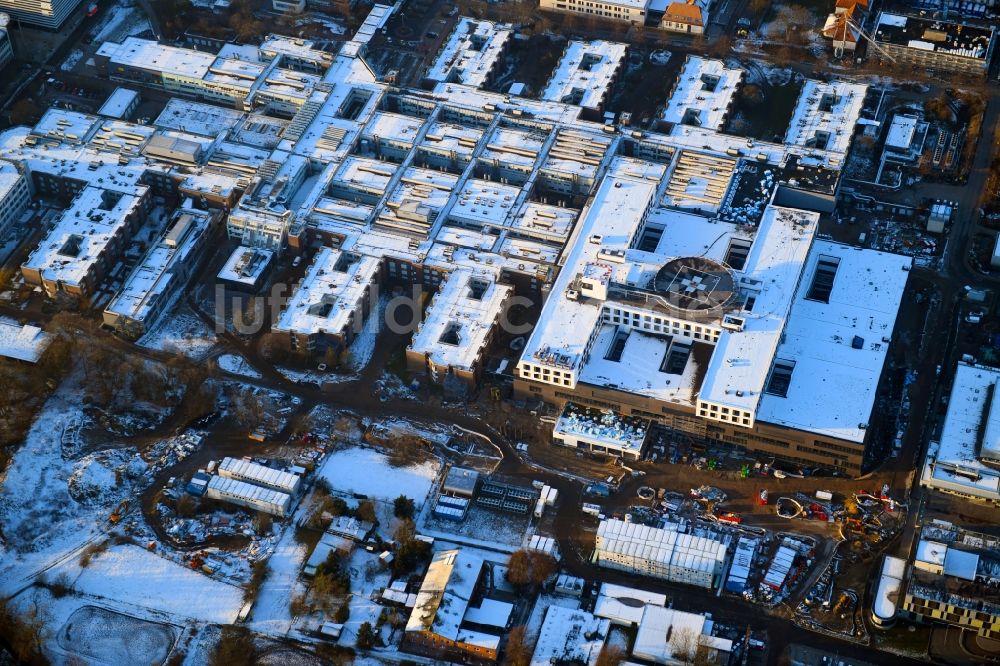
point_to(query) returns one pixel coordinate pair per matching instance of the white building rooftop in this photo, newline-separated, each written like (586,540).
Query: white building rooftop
(246,265)
(459,319)
(484,202)
(329,294)
(971,433)
(153,279)
(147,54)
(669,636)
(23,343)
(118,103)
(838,348)
(585,73)
(569,636)
(703,93)
(80,237)
(445,593)
(470,53)
(825,115)
(197,118)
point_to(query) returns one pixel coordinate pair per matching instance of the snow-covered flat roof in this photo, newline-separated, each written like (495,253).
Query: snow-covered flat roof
(491,613)
(245,265)
(149,55)
(544,221)
(330,214)
(668,636)
(515,147)
(448,138)
(155,276)
(470,53)
(886,599)
(585,73)
(618,207)
(118,103)
(471,97)
(570,636)
(690,235)
(970,433)
(638,369)
(825,115)
(197,118)
(82,234)
(625,605)
(24,343)
(835,378)
(9,177)
(737,373)
(295,47)
(329,294)
(445,593)
(65,125)
(459,319)
(363,175)
(484,202)
(901,131)
(703,93)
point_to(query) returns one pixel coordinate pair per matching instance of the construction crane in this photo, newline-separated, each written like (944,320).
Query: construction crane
(846,22)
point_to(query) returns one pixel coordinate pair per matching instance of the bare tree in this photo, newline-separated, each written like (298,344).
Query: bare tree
(518,651)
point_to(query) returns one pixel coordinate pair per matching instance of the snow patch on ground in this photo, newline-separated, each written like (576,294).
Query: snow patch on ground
(71,60)
(120,22)
(180,331)
(237,365)
(132,577)
(101,478)
(40,520)
(329,23)
(370,473)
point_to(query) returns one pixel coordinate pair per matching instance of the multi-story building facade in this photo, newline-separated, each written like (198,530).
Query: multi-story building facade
(48,14)
(15,195)
(6,48)
(932,43)
(633,11)
(951,579)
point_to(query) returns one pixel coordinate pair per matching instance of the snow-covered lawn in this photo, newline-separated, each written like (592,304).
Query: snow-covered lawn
(237,365)
(120,22)
(41,521)
(370,473)
(180,331)
(131,577)
(271,611)
(113,638)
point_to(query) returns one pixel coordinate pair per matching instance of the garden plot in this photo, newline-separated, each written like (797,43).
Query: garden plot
(368,472)
(135,578)
(112,638)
